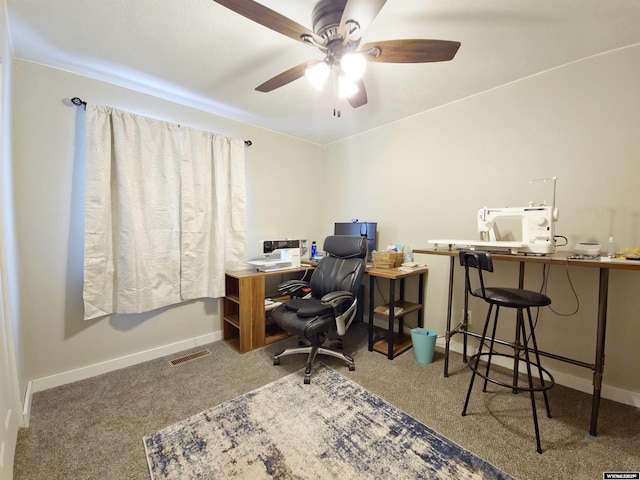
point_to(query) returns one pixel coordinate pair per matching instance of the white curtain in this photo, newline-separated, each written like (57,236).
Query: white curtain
(165,212)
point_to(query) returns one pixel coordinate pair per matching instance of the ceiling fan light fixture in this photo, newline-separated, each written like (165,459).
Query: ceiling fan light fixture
(353,65)
(346,87)
(317,74)
(338,26)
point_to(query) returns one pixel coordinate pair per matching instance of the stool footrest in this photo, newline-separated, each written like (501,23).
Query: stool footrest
(549,382)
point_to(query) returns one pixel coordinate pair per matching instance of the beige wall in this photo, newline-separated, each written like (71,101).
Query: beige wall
(429,174)
(48,165)
(420,178)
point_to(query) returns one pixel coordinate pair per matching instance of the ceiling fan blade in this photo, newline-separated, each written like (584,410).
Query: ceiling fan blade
(270,19)
(285,77)
(360,98)
(363,12)
(412,51)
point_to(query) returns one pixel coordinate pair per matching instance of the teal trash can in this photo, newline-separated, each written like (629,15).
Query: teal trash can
(424,343)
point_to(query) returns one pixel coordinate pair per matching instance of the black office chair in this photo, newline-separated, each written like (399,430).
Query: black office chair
(524,343)
(327,303)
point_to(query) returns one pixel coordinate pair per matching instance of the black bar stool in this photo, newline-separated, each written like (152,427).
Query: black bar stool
(524,342)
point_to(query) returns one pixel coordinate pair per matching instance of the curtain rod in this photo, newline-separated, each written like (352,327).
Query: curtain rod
(78,101)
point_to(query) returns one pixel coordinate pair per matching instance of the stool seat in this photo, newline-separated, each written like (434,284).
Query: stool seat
(524,343)
(513,297)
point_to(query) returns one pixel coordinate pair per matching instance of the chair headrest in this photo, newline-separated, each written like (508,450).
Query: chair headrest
(346,246)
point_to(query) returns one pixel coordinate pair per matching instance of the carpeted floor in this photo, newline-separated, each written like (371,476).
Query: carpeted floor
(93,429)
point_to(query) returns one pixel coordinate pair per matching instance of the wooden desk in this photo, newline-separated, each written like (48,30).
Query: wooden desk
(394,345)
(244,325)
(556,259)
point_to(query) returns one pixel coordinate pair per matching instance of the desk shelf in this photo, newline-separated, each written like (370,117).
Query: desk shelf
(244,317)
(274,335)
(407,308)
(394,343)
(401,341)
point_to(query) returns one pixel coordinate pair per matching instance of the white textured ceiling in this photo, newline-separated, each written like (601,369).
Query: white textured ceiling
(201,54)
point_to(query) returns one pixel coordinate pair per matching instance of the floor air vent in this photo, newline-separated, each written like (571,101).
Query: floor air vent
(191,356)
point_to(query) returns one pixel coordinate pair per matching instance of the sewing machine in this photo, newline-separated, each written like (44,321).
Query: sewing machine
(279,255)
(537,224)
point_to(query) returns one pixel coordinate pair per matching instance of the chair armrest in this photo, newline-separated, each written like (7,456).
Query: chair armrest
(291,287)
(344,316)
(336,298)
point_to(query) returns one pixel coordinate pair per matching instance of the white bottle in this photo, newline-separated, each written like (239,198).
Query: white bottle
(611,248)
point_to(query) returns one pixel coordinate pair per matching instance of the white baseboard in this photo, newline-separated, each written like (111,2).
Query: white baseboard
(577,383)
(26,405)
(82,373)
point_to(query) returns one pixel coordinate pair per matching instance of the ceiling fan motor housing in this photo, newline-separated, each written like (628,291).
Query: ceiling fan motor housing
(326,18)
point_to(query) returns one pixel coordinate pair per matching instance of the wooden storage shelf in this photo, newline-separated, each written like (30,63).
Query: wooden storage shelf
(233,298)
(407,308)
(233,320)
(394,343)
(244,325)
(401,343)
(275,336)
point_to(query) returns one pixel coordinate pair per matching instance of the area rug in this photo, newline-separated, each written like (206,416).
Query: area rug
(332,428)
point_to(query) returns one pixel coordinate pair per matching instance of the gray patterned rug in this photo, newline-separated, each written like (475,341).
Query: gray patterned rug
(332,428)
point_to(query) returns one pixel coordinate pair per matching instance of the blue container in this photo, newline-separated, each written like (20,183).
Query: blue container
(424,343)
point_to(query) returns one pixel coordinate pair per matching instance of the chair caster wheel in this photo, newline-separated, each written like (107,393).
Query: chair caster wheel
(276,361)
(352,367)
(307,381)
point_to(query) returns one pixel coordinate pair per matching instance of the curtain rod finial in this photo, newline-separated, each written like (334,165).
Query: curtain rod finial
(78,101)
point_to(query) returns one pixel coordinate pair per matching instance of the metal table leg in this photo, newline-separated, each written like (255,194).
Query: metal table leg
(448,333)
(421,300)
(599,367)
(371,303)
(392,300)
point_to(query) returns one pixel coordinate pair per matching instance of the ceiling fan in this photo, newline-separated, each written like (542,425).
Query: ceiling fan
(338,26)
